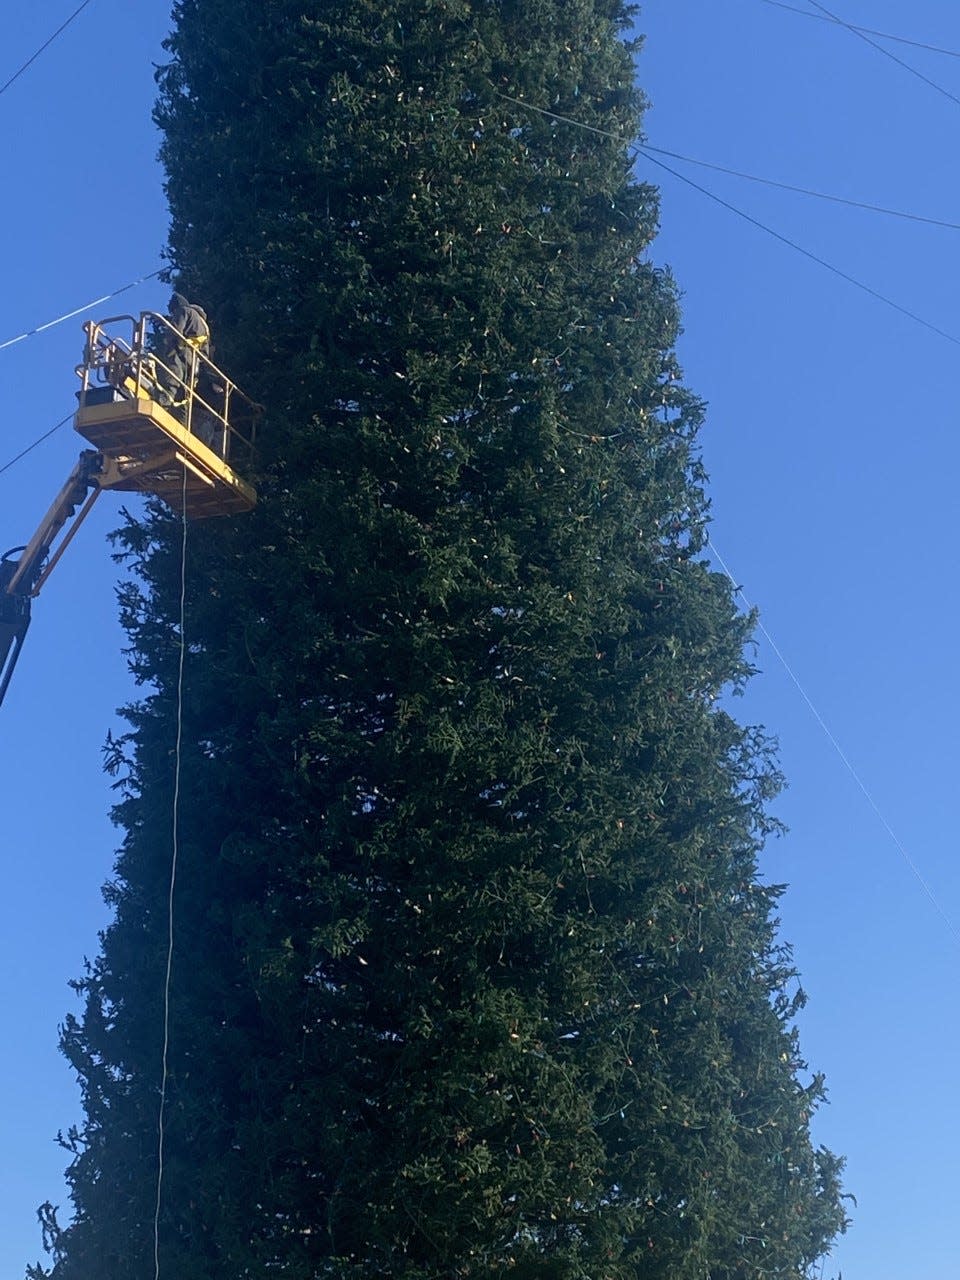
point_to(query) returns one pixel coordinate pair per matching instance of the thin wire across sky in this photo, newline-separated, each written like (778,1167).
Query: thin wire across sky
(46,45)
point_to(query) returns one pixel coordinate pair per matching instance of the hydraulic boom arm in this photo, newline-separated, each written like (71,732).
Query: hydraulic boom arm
(22,578)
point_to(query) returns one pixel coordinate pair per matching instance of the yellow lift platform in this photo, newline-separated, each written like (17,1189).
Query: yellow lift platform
(126,411)
(163,420)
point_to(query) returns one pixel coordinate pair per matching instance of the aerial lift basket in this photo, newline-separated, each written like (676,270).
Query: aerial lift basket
(158,409)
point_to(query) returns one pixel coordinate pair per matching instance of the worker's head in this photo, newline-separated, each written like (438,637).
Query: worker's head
(178,302)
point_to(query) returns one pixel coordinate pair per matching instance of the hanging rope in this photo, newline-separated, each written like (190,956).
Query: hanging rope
(161,1118)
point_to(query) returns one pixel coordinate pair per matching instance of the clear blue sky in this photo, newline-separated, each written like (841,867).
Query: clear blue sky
(832,442)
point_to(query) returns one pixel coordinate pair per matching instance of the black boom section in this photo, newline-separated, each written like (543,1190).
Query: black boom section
(14,621)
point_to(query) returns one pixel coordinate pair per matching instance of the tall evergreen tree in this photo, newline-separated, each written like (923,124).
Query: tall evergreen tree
(473,973)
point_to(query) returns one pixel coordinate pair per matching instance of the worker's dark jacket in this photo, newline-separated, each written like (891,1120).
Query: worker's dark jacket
(191,324)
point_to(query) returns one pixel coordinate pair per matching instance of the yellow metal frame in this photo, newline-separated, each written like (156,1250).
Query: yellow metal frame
(36,561)
(148,448)
(151,447)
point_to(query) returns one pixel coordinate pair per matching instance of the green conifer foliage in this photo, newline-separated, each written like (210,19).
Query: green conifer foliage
(473,974)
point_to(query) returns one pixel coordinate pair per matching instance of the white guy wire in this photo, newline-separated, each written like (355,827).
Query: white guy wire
(883,35)
(77,311)
(638,148)
(901,848)
(860,33)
